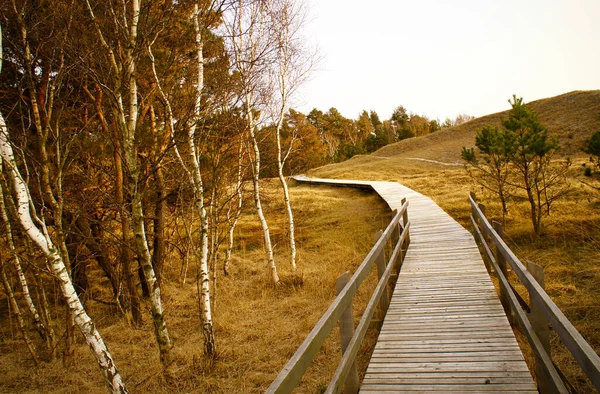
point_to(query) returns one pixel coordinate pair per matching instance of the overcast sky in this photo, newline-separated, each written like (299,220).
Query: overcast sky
(444,57)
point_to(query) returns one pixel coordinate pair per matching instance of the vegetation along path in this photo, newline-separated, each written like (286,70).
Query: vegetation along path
(445,329)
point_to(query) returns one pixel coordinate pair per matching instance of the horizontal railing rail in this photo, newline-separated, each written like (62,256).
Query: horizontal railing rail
(397,233)
(543,310)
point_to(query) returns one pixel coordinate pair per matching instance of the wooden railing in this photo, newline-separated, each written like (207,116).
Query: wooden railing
(534,319)
(396,233)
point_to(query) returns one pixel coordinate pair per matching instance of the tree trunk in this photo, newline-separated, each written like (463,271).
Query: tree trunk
(158,255)
(238,210)
(125,256)
(257,201)
(17,312)
(202,276)
(286,194)
(111,375)
(45,314)
(37,322)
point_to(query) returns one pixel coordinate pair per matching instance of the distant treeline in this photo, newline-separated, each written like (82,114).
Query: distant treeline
(329,137)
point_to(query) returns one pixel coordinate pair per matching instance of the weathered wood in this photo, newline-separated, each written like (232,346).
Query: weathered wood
(444,301)
(289,377)
(404,204)
(354,345)
(502,264)
(443,318)
(346,333)
(544,359)
(380,262)
(583,353)
(541,328)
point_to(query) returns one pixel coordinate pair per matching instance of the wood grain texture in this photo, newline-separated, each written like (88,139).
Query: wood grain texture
(445,329)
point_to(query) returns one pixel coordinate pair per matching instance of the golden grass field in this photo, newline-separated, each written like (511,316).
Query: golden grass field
(258,327)
(569,248)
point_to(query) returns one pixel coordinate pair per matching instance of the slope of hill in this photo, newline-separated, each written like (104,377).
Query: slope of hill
(572,117)
(568,247)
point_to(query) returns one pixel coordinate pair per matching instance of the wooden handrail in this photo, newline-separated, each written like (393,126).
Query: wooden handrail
(583,353)
(530,333)
(339,377)
(292,372)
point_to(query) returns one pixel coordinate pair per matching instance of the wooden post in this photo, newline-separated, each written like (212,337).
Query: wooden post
(484,231)
(380,262)
(346,332)
(405,222)
(541,328)
(396,232)
(502,264)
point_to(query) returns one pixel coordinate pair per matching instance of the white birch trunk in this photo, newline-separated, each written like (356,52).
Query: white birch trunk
(42,239)
(240,202)
(203,277)
(280,163)
(290,214)
(195,174)
(37,321)
(257,203)
(291,69)
(17,312)
(127,121)
(251,45)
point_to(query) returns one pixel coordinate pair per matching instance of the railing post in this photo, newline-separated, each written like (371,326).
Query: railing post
(485,235)
(404,223)
(346,332)
(380,262)
(541,328)
(396,231)
(484,231)
(502,264)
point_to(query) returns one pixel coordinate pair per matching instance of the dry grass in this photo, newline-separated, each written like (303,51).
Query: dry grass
(569,249)
(257,327)
(572,117)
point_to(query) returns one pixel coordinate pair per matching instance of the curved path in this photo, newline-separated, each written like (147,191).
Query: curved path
(445,329)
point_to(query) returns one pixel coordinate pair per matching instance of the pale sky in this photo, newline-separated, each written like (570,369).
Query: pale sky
(444,57)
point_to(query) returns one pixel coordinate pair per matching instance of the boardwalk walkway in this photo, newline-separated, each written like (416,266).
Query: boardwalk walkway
(445,329)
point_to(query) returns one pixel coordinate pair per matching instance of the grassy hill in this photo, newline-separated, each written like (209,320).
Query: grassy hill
(569,247)
(572,117)
(258,327)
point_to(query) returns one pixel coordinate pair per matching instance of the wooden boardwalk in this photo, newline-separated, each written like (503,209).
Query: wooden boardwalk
(445,329)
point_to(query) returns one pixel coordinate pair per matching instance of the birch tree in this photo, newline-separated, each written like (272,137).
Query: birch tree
(123,89)
(201,16)
(251,45)
(37,321)
(292,65)
(41,238)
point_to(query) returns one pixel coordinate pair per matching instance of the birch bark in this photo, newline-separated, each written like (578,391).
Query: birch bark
(237,210)
(251,45)
(202,276)
(293,65)
(37,321)
(42,239)
(17,312)
(127,122)
(192,167)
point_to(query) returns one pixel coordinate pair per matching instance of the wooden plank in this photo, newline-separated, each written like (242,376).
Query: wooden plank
(448,388)
(289,377)
(445,329)
(585,355)
(349,356)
